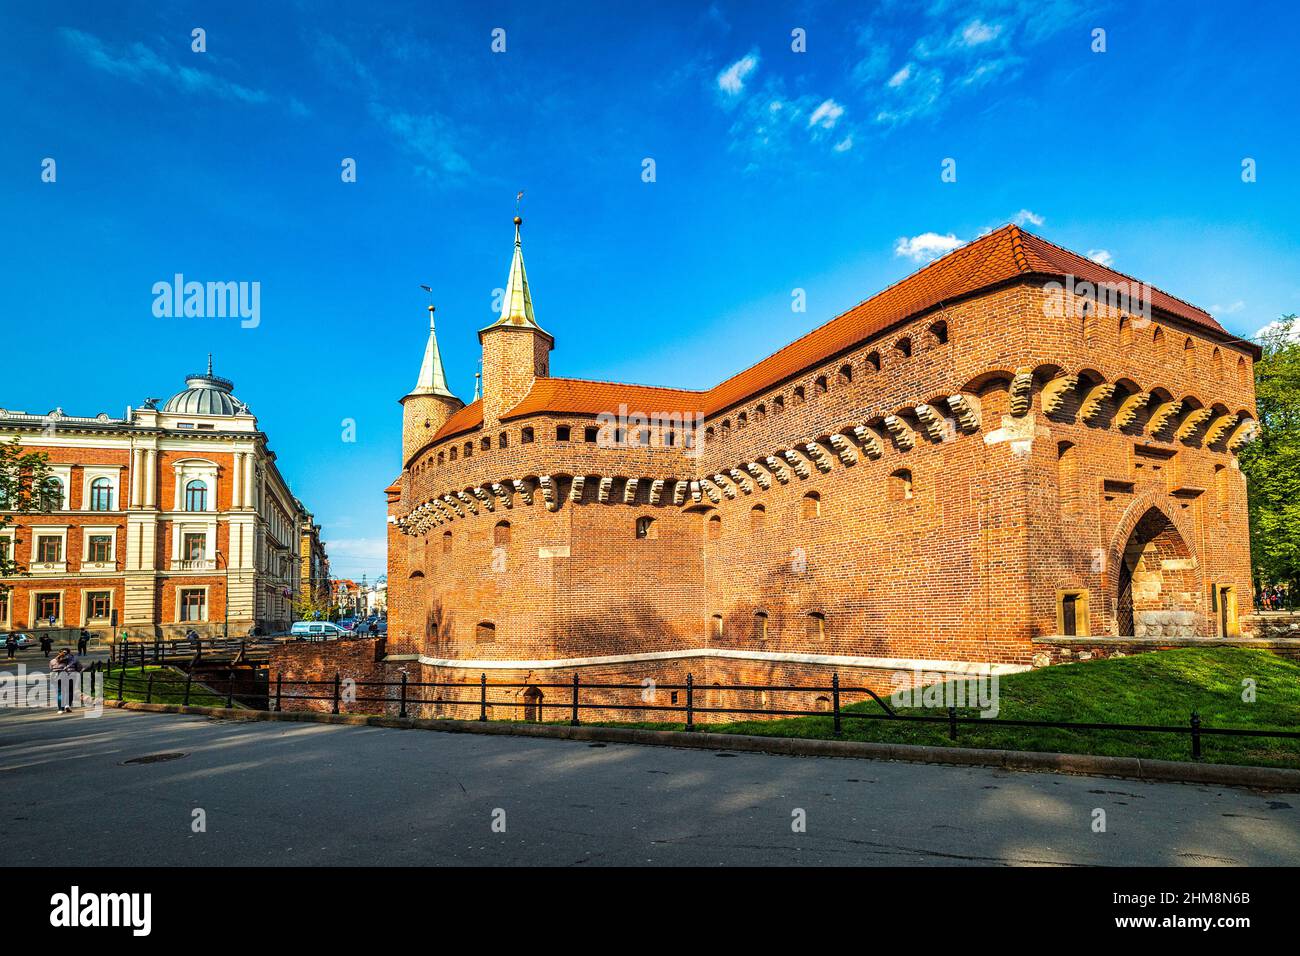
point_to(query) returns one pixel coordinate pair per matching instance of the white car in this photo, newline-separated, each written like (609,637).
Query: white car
(317,631)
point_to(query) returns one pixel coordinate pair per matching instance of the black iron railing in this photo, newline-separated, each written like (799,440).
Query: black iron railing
(407,695)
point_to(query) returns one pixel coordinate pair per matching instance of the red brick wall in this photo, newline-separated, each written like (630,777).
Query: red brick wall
(292,665)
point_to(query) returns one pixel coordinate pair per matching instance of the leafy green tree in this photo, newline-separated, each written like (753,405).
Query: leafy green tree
(1272,462)
(25,485)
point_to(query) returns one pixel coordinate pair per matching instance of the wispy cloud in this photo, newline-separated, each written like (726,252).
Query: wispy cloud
(427,136)
(731,80)
(140,63)
(826,115)
(1027,216)
(926,246)
(977,32)
(354,555)
(1101,257)
(1230,309)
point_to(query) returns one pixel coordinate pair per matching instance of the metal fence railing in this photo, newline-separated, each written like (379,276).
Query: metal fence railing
(405,695)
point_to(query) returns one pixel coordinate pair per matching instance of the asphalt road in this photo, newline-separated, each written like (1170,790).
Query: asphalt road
(321,795)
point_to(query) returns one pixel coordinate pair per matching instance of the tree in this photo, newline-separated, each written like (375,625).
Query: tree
(313,606)
(25,485)
(1272,462)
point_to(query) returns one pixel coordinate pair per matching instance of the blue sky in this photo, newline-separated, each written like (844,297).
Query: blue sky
(774,170)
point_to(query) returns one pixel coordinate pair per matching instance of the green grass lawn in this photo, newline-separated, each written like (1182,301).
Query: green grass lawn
(1160,688)
(168,687)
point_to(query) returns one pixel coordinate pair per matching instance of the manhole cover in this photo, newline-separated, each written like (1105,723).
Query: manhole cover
(153,758)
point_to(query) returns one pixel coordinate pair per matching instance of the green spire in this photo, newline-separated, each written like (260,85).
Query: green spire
(517,305)
(433,377)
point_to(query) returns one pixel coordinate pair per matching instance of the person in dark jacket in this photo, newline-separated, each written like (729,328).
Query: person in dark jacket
(11,645)
(62,674)
(47,645)
(83,642)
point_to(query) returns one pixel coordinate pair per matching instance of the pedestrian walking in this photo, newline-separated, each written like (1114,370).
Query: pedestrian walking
(11,645)
(83,642)
(47,644)
(63,670)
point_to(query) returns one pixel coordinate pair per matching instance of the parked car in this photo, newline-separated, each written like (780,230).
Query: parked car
(25,640)
(317,631)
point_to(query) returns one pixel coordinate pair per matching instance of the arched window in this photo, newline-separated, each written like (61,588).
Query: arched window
(646,528)
(501,534)
(819,386)
(442,457)
(101,495)
(54,494)
(503,440)
(1125,331)
(760,625)
(1243,373)
(845,375)
(798,395)
(873,361)
(1067,475)
(452,452)
(757,517)
(939,333)
(708,434)
(742,420)
(469,449)
(1158,340)
(811,506)
(816,624)
(715,526)
(196,496)
(778,404)
(904,347)
(485,632)
(822,704)
(760,412)
(1189,353)
(446,542)
(716,625)
(900,485)
(1216,362)
(725,427)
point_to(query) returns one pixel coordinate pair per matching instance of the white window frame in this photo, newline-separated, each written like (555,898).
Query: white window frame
(8,609)
(64,474)
(195,469)
(206,528)
(207,602)
(37,567)
(114,476)
(86,619)
(33,622)
(96,530)
(10,535)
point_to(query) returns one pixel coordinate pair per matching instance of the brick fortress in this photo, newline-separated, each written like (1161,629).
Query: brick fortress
(1013,443)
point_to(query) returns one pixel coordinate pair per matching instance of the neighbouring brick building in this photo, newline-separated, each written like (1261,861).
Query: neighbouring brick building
(171,517)
(1014,442)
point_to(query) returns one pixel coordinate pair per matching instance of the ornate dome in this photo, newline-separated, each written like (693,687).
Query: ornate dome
(206,395)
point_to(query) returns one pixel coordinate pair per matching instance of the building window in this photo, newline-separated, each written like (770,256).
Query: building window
(451,452)
(760,625)
(778,404)
(1243,373)
(101,495)
(446,542)
(4,606)
(49,548)
(4,549)
(742,420)
(533,705)
(900,485)
(757,517)
(54,495)
(904,347)
(101,548)
(196,496)
(193,604)
(590,435)
(526,436)
(1189,354)
(503,440)
(816,623)
(194,546)
(485,632)
(873,361)
(500,534)
(645,527)
(811,506)
(819,386)
(845,375)
(1072,613)
(486,443)
(562,433)
(1125,331)
(98,605)
(760,412)
(469,449)
(716,625)
(49,607)
(798,395)
(715,526)
(939,332)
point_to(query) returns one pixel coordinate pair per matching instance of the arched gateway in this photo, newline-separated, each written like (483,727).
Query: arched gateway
(1158,587)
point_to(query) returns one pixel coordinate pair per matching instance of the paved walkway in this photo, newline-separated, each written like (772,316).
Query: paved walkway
(319,795)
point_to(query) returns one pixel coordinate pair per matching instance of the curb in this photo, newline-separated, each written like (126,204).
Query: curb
(1137,768)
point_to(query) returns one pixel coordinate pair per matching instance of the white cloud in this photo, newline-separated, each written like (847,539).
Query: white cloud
(899,78)
(826,115)
(1028,216)
(1101,257)
(844,145)
(977,32)
(926,246)
(1285,331)
(427,136)
(1230,309)
(732,80)
(353,555)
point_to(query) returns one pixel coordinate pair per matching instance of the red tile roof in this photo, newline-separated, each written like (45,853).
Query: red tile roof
(1005,255)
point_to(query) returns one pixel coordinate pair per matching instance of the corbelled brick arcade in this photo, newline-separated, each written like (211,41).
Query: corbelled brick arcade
(1012,443)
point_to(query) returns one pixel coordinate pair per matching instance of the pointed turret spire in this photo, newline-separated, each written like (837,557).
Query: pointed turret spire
(433,377)
(477,377)
(517,305)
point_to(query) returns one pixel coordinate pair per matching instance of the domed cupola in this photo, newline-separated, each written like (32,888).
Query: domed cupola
(206,395)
